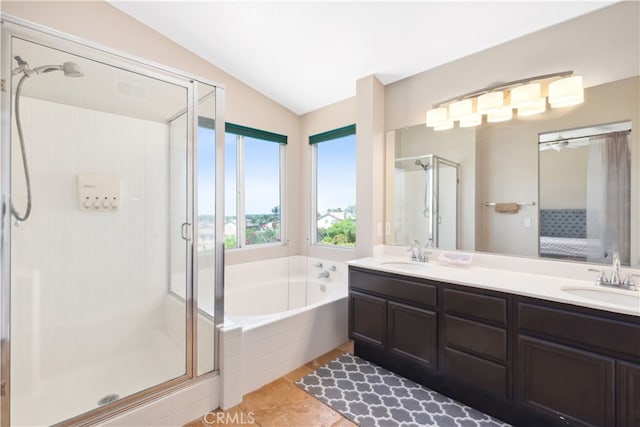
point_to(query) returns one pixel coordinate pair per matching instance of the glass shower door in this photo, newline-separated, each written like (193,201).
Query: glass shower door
(446,202)
(93,319)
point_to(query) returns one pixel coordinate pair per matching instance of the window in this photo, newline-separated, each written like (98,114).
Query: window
(334,187)
(253,186)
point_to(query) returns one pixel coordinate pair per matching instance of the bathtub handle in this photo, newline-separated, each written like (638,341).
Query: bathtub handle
(318,264)
(332,268)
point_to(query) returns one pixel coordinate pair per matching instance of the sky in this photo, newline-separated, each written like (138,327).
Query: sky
(336,174)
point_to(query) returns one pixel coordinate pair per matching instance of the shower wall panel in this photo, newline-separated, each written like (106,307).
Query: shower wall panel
(87,279)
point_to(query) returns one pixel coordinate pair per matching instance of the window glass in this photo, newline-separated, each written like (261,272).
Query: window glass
(253,178)
(262,191)
(335,165)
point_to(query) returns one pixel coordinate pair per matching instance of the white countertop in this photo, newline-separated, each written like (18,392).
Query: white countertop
(503,280)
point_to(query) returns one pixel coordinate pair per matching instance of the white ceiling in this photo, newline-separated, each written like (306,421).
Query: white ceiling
(306,55)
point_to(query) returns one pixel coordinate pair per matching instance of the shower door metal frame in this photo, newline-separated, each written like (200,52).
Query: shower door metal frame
(13,27)
(435,192)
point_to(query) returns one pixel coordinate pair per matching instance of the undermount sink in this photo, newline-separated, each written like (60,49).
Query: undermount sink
(612,296)
(405,265)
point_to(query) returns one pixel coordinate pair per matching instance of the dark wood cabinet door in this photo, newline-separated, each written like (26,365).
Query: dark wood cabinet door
(564,384)
(413,333)
(628,387)
(368,319)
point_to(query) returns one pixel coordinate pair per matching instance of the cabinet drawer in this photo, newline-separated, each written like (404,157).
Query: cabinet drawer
(481,307)
(395,288)
(477,373)
(606,335)
(476,337)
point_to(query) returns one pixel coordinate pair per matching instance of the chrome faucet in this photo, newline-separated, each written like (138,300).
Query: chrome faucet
(323,275)
(615,281)
(615,270)
(416,252)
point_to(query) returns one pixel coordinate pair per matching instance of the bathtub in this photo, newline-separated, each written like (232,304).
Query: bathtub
(278,316)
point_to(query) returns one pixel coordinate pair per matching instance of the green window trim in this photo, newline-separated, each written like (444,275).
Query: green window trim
(333,134)
(235,129)
(255,133)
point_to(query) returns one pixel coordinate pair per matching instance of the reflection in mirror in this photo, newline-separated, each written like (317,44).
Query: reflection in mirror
(499,164)
(585,197)
(446,189)
(427,201)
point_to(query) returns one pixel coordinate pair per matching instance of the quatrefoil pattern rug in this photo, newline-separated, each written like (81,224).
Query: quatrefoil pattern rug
(372,396)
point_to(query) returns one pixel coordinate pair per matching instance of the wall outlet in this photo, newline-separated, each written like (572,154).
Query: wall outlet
(527,223)
(379,229)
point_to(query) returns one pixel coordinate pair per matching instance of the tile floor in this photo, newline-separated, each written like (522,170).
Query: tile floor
(280,403)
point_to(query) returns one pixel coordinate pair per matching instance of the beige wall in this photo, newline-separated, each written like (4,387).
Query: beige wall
(101,23)
(508,160)
(370,150)
(563,178)
(333,116)
(603,46)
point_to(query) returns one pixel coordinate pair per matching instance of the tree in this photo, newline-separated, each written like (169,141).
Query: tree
(350,211)
(341,233)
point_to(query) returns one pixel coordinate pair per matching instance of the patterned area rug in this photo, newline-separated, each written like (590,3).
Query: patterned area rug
(372,396)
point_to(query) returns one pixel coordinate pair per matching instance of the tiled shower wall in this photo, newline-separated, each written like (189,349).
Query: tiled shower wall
(89,280)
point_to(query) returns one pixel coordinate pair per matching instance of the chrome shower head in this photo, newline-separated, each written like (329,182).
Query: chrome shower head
(422,165)
(70,69)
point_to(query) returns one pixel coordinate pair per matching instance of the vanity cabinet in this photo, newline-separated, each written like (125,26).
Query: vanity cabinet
(562,385)
(476,348)
(393,322)
(527,361)
(575,366)
(628,392)
(370,323)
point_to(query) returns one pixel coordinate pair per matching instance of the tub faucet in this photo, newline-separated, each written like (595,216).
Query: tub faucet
(323,275)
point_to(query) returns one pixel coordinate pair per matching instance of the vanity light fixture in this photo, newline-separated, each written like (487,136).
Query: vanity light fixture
(490,102)
(502,115)
(526,96)
(436,116)
(470,121)
(566,92)
(533,108)
(446,125)
(460,109)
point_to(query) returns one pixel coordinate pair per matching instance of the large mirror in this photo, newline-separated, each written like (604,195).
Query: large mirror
(502,164)
(585,193)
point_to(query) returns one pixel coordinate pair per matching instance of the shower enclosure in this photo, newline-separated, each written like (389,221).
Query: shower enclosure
(109,295)
(426,201)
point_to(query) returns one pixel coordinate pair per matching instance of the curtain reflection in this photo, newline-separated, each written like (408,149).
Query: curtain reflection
(608,198)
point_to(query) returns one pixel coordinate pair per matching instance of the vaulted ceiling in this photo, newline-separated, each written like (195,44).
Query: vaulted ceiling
(306,55)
